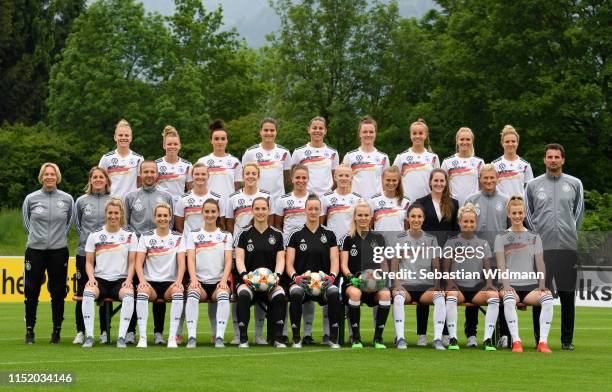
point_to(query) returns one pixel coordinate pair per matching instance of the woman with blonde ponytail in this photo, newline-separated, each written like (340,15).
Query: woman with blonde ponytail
(513,172)
(173,172)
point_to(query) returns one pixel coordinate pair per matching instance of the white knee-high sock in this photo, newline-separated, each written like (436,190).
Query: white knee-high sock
(325,321)
(546,315)
(212,317)
(439,315)
(398,316)
(223,309)
(89,313)
(308,313)
(234,307)
(142,312)
(179,329)
(127,309)
(511,317)
(451,316)
(260,318)
(192,312)
(176,310)
(491,317)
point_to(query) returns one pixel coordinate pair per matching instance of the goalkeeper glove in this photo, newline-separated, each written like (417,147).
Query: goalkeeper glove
(328,282)
(354,280)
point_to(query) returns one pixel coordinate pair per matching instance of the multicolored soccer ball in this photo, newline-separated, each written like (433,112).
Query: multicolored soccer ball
(316,280)
(368,282)
(262,278)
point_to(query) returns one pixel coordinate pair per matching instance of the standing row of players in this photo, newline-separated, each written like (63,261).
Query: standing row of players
(363,169)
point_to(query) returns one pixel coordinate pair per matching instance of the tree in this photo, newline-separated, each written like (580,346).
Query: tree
(31,35)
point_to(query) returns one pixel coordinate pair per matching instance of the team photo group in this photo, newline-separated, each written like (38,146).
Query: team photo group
(224,231)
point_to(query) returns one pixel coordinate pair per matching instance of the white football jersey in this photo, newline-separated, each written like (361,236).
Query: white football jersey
(239,208)
(292,209)
(123,171)
(272,164)
(209,253)
(320,162)
(463,175)
(172,177)
(223,172)
(476,247)
(420,254)
(111,252)
(520,249)
(367,170)
(190,207)
(387,213)
(339,211)
(415,169)
(161,262)
(512,175)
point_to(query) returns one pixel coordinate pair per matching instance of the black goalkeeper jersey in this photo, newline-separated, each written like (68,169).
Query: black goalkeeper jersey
(361,250)
(260,249)
(312,249)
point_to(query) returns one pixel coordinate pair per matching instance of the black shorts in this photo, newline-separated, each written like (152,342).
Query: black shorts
(109,288)
(366,298)
(209,288)
(470,292)
(160,288)
(523,291)
(415,292)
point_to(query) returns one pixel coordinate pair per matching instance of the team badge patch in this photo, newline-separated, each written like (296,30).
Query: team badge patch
(303,247)
(566,188)
(60,204)
(138,205)
(39,210)
(353,252)
(323,239)
(28,266)
(499,206)
(88,210)
(272,240)
(250,247)
(541,196)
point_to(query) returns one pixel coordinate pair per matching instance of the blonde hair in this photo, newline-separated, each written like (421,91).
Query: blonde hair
(508,130)
(123,124)
(360,203)
(251,164)
(464,129)
(169,130)
(162,205)
(399,191)
(89,187)
(487,167)
(116,202)
(421,123)
(197,165)
(467,208)
(515,200)
(45,165)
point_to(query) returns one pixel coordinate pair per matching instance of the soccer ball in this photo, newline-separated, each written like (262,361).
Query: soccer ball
(316,280)
(262,278)
(368,283)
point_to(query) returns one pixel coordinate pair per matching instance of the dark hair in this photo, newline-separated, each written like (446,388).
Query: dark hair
(217,125)
(297,167)
(446,202)
(268,120)
(312,197)
(267,200)
(555,146)
(147,161)
(367,120)
(216,203)
(416,205)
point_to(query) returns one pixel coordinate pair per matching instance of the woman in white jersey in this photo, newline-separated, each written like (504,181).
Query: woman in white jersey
(472,255)
(173,172)
(320,159)
(160,266)
(389,207)
(413,283)
(89,215)
(122,164)
(290,214)
(417,162)
(110,254)
(224,169)
(519,251)
(209,262)
(367,162)
(463,167)
(513,172)
(188,210)
(273,160)
(337,205)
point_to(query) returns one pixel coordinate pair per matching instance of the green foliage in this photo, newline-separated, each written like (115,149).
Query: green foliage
(598,214)
(31,35)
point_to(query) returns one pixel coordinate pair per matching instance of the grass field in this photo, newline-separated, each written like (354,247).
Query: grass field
(264,368)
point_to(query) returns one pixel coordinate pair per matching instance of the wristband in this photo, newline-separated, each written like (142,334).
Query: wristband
(243,274)
(278,275)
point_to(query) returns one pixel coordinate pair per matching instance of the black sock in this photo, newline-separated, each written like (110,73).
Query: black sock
(159,316)
(243,311)
(354,312)
(295,311)
(279,311)
(102,315)
(381,320)
(78,317)
(333,312)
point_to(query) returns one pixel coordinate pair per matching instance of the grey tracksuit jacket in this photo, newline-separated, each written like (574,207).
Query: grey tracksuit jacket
(47,216)
(89,216)
(140,205)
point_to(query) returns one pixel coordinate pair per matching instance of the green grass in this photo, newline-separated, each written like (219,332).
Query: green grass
(13,236)
(265,368)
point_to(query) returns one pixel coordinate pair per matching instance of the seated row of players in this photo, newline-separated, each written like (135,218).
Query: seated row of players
(160,265)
